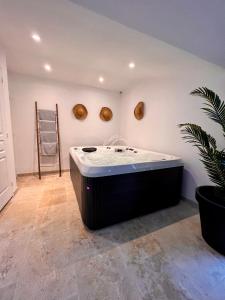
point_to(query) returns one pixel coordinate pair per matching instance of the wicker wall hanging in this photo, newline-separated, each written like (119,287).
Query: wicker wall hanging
(106,114)
(80,111)
(139,110)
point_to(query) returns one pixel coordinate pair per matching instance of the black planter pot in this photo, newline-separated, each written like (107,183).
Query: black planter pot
(212,215)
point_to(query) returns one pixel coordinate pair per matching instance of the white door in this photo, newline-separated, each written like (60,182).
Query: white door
(5,185)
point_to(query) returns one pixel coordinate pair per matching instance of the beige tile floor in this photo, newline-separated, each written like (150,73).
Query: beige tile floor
(46,253)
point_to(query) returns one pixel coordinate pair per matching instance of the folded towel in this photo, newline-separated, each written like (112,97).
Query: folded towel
(47,115)
(49,160)
(48,137)
(48,148)
(49,126)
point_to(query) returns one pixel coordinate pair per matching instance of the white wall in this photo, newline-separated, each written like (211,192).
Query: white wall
(168,103)
(10,153)
(25,90)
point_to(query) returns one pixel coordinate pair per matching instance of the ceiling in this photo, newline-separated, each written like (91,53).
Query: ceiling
(197,26)
(82,45)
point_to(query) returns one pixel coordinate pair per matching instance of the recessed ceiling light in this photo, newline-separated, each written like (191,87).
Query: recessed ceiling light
(131,65)
(47,68)
(36,37)
(101,79)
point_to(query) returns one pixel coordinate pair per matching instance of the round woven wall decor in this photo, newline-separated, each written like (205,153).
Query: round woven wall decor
(139,110)
(106,114)
(80,112)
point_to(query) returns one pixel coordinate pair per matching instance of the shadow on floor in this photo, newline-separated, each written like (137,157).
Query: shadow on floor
(135,228)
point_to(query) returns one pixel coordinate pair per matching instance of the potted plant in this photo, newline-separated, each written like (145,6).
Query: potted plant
(211,199)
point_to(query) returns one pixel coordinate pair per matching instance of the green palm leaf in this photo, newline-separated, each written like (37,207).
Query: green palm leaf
(213,160)
(196,135)
(215,166)
(215,107)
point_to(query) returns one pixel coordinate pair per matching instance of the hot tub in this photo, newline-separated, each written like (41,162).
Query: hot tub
(117,183)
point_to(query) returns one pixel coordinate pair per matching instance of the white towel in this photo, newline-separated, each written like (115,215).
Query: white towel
(47,115)
(48,148)
(49,126)
(48,137)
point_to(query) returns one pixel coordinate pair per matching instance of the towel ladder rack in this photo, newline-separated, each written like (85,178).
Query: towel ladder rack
(58,149)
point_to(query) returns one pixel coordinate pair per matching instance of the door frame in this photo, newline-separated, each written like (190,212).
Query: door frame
(7,131)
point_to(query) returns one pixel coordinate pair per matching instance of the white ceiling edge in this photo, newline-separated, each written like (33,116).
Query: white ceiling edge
(59,82)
